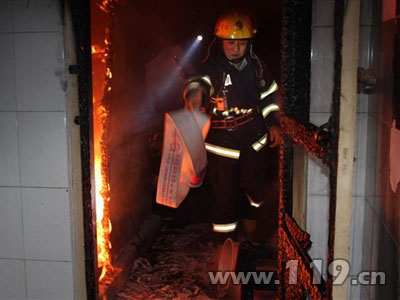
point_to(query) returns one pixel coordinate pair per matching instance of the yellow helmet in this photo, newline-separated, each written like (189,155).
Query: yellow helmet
(235,25)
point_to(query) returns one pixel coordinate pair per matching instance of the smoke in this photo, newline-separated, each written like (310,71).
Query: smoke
(148,69)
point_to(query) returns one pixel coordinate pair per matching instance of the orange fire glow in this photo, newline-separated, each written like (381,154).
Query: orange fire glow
(97,50)
(102,50)
(102,187)
(103,223)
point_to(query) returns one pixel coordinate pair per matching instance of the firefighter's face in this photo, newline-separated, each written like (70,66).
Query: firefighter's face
(234,49)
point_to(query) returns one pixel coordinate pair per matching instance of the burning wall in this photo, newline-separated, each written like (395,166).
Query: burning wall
(122,118)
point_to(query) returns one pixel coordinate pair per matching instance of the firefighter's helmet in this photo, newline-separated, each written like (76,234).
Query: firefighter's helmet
(235,25)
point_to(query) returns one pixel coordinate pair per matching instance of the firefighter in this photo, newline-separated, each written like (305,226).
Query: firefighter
(236,90)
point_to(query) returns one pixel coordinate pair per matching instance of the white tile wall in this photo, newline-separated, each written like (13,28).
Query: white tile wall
(371,242)
(322,61)
(377,204)
(370,12)
(43,149)
(40,56)
(317,225)
(377,237)
(12,279)
(368,58)
(357,235)
(371,169)
(5,16)
(35,220)
(363,103)
(7,72)
(47,280)
(373,104)
(369,219)
(364,292)
(11,245)
(37,15)
(355,292)
(365,52)
(323,13)
(319,118)
(385,255)
(318,177)
(318,173)
(9,169)
(360,153)
(47,234)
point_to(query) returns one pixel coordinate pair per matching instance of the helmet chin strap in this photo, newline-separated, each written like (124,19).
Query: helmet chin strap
(236,60)
(238,65)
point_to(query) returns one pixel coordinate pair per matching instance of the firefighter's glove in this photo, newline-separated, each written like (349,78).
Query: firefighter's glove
(197,180)
(275,136)
(193,99)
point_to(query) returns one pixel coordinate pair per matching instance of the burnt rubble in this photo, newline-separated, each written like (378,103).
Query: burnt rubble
(175,267)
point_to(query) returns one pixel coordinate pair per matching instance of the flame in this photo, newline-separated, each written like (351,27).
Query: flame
(101,67)
(102,187)
(98,50)
(103,223)
(108,73)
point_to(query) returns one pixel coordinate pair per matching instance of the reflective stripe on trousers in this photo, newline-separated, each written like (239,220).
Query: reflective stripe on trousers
(229,227)
(253,203)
